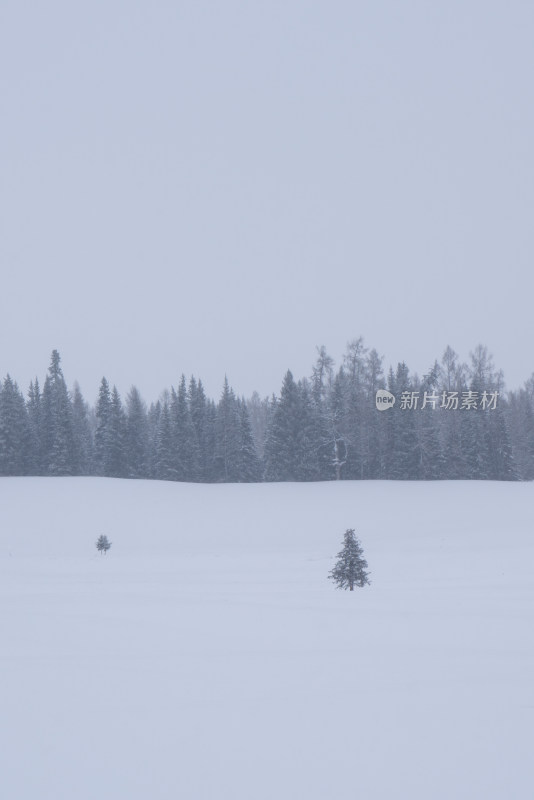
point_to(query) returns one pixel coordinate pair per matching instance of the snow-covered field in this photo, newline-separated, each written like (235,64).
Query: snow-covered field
(207,656)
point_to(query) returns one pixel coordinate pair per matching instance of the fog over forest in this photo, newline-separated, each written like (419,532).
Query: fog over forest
(455,422)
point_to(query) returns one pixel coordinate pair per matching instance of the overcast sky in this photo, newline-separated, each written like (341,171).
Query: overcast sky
(218,187)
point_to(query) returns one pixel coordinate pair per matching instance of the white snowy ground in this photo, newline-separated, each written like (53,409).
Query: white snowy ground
(207,656)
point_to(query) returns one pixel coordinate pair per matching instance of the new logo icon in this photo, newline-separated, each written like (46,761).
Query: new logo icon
(384,399)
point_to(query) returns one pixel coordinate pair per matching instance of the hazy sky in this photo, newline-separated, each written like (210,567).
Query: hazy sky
(218,187)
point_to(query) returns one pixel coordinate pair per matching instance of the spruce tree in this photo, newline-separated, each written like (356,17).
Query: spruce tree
(310,439)
(282,446)
(502,464)
(212,472)
(116,450)
(164,457)
(351,567)
(333,420)
(34,408)
(474,445)
(374,421)
(198,411)
(227,437)
(451,379)
(102,433)
(136,436)
(259,414)
(402,458)
(58,434)
(351,403)
(431,458)
(184,439)
(248,468)
(103,544)
(153,420)
(520,418)
(15,435)
(528,439)
(83,440)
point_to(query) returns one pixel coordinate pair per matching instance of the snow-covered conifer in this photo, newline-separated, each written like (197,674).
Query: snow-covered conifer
(58,434)
(103,544)
(351,567)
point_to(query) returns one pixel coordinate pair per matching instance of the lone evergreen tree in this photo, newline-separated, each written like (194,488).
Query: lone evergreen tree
(103,544)
(350,569)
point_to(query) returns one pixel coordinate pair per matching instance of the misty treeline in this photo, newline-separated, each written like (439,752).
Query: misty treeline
(323,427)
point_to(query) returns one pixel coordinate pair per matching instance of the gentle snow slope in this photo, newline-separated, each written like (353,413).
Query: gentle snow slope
(208,657)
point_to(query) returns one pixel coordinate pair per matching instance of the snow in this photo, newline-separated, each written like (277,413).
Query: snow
(207,656)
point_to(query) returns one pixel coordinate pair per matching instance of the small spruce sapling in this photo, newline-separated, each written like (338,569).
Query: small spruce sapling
(103,544)
(351,567)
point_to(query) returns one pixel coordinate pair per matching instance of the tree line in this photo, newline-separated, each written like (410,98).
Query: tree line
(322,427)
